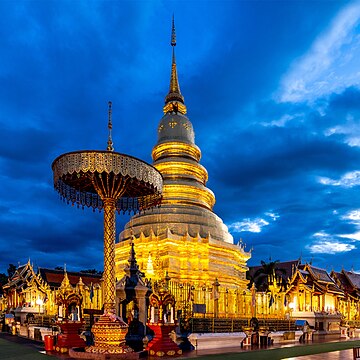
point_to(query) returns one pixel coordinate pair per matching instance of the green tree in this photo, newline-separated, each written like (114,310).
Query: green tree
(267,274)
(91,271)
(11,270)
(3,281)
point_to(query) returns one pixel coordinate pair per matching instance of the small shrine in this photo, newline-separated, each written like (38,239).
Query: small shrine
(162,320)
(132,293)
(69,300)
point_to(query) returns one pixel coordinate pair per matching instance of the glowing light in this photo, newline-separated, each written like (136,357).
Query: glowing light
(39,302)
(188,194)
(176,149)
(183,168)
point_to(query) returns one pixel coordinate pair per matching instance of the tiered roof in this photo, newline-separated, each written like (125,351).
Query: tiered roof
(55,277)
(315,279)
(348,281)
(25,275)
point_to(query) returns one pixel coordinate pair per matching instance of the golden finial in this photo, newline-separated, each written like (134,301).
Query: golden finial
(110,145)
(173,33)
(174,101)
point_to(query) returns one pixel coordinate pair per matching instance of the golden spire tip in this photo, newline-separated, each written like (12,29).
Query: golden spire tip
(174,101)
(173,33)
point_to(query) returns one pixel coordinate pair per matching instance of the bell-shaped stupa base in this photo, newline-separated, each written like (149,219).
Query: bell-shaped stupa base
(109,333)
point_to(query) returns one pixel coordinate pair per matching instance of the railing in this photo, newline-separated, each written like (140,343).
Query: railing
(354,323)
(42,320)
(222,325)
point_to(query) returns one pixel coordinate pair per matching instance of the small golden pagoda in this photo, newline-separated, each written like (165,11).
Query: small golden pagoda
(183,238)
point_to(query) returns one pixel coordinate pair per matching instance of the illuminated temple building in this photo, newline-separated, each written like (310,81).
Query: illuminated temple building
(56,293)
(184,239)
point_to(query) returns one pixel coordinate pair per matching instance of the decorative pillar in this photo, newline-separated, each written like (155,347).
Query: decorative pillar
(109,255)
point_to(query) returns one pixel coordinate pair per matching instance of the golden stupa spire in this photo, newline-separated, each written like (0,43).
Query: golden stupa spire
(174,101)
(110,145)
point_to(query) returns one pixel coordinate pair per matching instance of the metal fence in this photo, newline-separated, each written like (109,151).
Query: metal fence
(222,325)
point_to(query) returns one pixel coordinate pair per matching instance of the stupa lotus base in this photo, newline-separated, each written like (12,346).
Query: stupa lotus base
(78,353)
(109,333)
(122,348)
(162,344)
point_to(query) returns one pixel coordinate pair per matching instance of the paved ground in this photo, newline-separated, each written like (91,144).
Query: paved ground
(324,348)
(276,354)
(20,348)
(334,355)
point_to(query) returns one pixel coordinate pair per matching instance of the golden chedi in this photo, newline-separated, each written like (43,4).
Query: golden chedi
(184,237)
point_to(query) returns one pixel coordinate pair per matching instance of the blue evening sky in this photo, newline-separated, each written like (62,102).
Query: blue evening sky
(272,89)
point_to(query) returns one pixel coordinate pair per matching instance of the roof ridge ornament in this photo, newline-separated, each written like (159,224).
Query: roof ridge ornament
(174,101)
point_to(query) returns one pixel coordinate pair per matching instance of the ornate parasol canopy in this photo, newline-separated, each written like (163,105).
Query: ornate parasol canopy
(111,181)
(87,177)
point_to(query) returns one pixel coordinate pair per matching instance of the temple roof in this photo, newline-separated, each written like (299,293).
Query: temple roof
(354,278)
(319,274)
(343,282)
(22,277)
(316,279)
(25,275)
(55,277)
